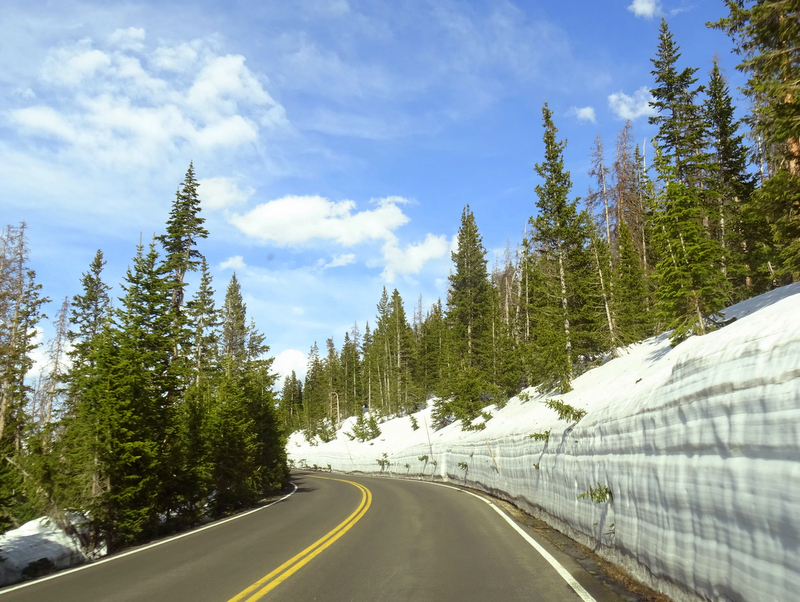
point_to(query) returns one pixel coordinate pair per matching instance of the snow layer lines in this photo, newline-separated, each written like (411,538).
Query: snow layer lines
(698,447)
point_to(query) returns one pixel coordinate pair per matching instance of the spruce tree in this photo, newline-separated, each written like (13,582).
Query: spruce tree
(691,278)
(766,35)
(470,302)
(743,231)
(135,413)
(20,312)
(631,305)
(556,237)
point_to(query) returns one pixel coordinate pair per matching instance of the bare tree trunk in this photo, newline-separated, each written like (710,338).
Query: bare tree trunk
(605,297)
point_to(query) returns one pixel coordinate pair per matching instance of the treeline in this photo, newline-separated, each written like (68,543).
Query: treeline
(151,412)
(654,248)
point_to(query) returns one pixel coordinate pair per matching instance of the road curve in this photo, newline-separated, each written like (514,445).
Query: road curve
(337,538)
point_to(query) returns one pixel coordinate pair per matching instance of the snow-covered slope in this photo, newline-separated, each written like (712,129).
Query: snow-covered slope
(698,444)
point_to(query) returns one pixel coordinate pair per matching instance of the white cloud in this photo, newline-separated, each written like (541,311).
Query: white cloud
(233,263)
(70,65)
(217,193)
(584,114)
(175,58)
(632,107)
(288,360)
(128,39)
(645,8)
(297,220)
(341,260)
(411,259)
(114,109)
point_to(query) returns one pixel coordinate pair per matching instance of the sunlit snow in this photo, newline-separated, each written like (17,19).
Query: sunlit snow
(698,444)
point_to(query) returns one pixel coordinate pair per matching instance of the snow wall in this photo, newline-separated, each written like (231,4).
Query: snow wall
(698,444)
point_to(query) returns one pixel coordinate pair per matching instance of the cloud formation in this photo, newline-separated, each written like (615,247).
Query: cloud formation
(233,263)
(341,260)
(111,106)
(298,220)
(632,107)
(645,8)
(287,361)
(221,192)
(584,114)
(411,259)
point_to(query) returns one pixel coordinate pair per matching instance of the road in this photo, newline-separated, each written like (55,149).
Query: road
(337,538)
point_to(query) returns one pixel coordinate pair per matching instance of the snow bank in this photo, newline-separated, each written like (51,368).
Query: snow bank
(699,446)
(38,547)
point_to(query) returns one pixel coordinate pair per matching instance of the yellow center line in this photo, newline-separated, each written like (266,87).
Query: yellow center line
(294,564)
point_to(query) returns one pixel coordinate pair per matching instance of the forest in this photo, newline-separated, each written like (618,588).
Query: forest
(160,410)
(152,414)
(713,219)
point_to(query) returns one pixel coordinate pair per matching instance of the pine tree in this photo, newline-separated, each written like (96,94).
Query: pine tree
(291,402)
(680,135)
(470,301)
(766,35)
(203,319)
(71,473)
(743,231)
(20,312)
(233,335)
(184,229)
(692,284)
(135,415)
(556,236)
(631,308)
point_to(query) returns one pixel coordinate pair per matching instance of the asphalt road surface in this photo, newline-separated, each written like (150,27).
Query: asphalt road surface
(338,538)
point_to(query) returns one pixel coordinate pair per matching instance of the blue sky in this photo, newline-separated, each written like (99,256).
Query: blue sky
(336,142)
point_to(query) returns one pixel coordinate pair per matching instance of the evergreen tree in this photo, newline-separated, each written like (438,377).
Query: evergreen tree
(743,232)
(184,228)
(692,284)
(631,305)
(133,408)
(20,312)
(556,236)
(291,402)
(766,34)
(470,301)
(203,319)
(233,335)
(680,134)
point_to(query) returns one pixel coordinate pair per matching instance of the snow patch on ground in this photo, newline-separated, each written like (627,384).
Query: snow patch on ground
(699,445)
(35,549)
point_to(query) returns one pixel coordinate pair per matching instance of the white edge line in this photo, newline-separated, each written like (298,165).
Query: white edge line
(560,569)
(89,565)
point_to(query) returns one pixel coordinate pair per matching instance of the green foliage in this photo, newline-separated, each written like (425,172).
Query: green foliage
(414,423)
(598,494)
(541,436)
(423,459)
(383,462)
(365,430)
(165,418)
(565,411)
(766,35)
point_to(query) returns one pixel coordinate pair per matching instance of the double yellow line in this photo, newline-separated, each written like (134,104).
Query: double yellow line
(265,585)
